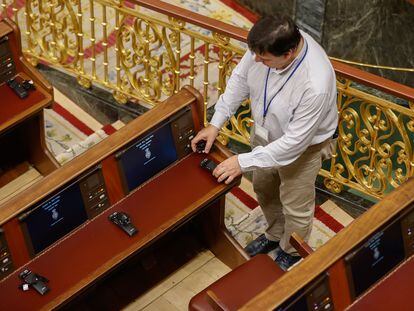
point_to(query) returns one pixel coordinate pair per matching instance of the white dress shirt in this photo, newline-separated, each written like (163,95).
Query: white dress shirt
(302,114)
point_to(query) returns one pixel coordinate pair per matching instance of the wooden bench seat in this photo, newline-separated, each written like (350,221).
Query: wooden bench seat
(239,285)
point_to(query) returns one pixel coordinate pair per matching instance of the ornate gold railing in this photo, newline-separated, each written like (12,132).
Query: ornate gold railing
(147,50)
(376,134)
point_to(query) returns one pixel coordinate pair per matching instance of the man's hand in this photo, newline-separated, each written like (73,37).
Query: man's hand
(208,134)
(228,170)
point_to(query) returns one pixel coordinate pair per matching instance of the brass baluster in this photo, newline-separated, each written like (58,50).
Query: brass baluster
(53,44)
(28,32)
(105,44)
(177,51)
(3,8)
(82,80)
(192,59)
(119,96)
(146,62)
(15,11)
(205,82)
(118,52)
(221,80)
(93,38)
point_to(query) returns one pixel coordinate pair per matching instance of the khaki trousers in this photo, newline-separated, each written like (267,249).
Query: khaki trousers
(287,196)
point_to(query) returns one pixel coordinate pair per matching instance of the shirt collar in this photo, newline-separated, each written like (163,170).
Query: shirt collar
(297,58)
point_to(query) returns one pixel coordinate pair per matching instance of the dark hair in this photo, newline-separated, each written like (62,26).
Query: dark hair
(275,34)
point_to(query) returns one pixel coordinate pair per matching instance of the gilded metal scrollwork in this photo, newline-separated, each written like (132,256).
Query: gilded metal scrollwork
(333,185)
(148,57)
(140,64)
(53,31)
(238,127)
(374,144)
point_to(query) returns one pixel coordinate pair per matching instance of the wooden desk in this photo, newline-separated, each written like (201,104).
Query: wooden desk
(330,258)
(15,110)
(97,246)
(21,120)
(394,292)
(178,193)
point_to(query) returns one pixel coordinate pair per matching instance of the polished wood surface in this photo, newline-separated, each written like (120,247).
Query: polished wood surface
(16,241)
(377,82)
(102,154)
(181,192)
(21,120)
(22,65)
(194,18)
(113,179)
(5,29)
(15,110)
(8,176)
(394,292)
(330,256)
(95,155)
(340,291)
(300,245)
(97,246)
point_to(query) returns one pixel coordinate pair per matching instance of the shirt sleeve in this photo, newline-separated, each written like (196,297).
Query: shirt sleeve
(297,138)
(237,90)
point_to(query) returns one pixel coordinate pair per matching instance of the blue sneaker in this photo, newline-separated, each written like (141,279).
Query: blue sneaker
(285,260)
(260,246)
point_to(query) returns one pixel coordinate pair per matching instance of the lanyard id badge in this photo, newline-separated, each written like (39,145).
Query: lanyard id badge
(266,105)
(261,133)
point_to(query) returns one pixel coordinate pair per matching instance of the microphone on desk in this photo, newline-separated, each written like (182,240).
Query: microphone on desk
(34,280)
(17,88)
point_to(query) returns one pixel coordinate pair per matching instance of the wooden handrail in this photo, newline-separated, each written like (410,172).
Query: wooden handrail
(194,18)
(377,82)
(240,34)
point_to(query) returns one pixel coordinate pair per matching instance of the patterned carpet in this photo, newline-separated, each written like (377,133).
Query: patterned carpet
(245,221)
(70,131)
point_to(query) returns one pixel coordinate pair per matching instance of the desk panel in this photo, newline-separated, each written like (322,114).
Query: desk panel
(394,292)
(96,247)
(14,109)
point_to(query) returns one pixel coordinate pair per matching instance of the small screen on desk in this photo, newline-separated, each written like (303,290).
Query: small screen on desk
(54,217)
(148,156)
(315,296)
(4,48)
(375,258)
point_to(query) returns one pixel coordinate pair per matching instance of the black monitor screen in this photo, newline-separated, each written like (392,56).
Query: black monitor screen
(148,156)
(54,217)
(375,258)
(315,296)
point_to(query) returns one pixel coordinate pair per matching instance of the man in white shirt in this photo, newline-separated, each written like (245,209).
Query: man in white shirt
(292,87)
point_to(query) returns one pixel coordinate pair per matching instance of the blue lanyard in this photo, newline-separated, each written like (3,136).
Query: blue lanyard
(266,107)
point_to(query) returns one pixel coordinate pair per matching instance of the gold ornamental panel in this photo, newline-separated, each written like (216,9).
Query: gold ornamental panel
(374,153)
(53,31)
